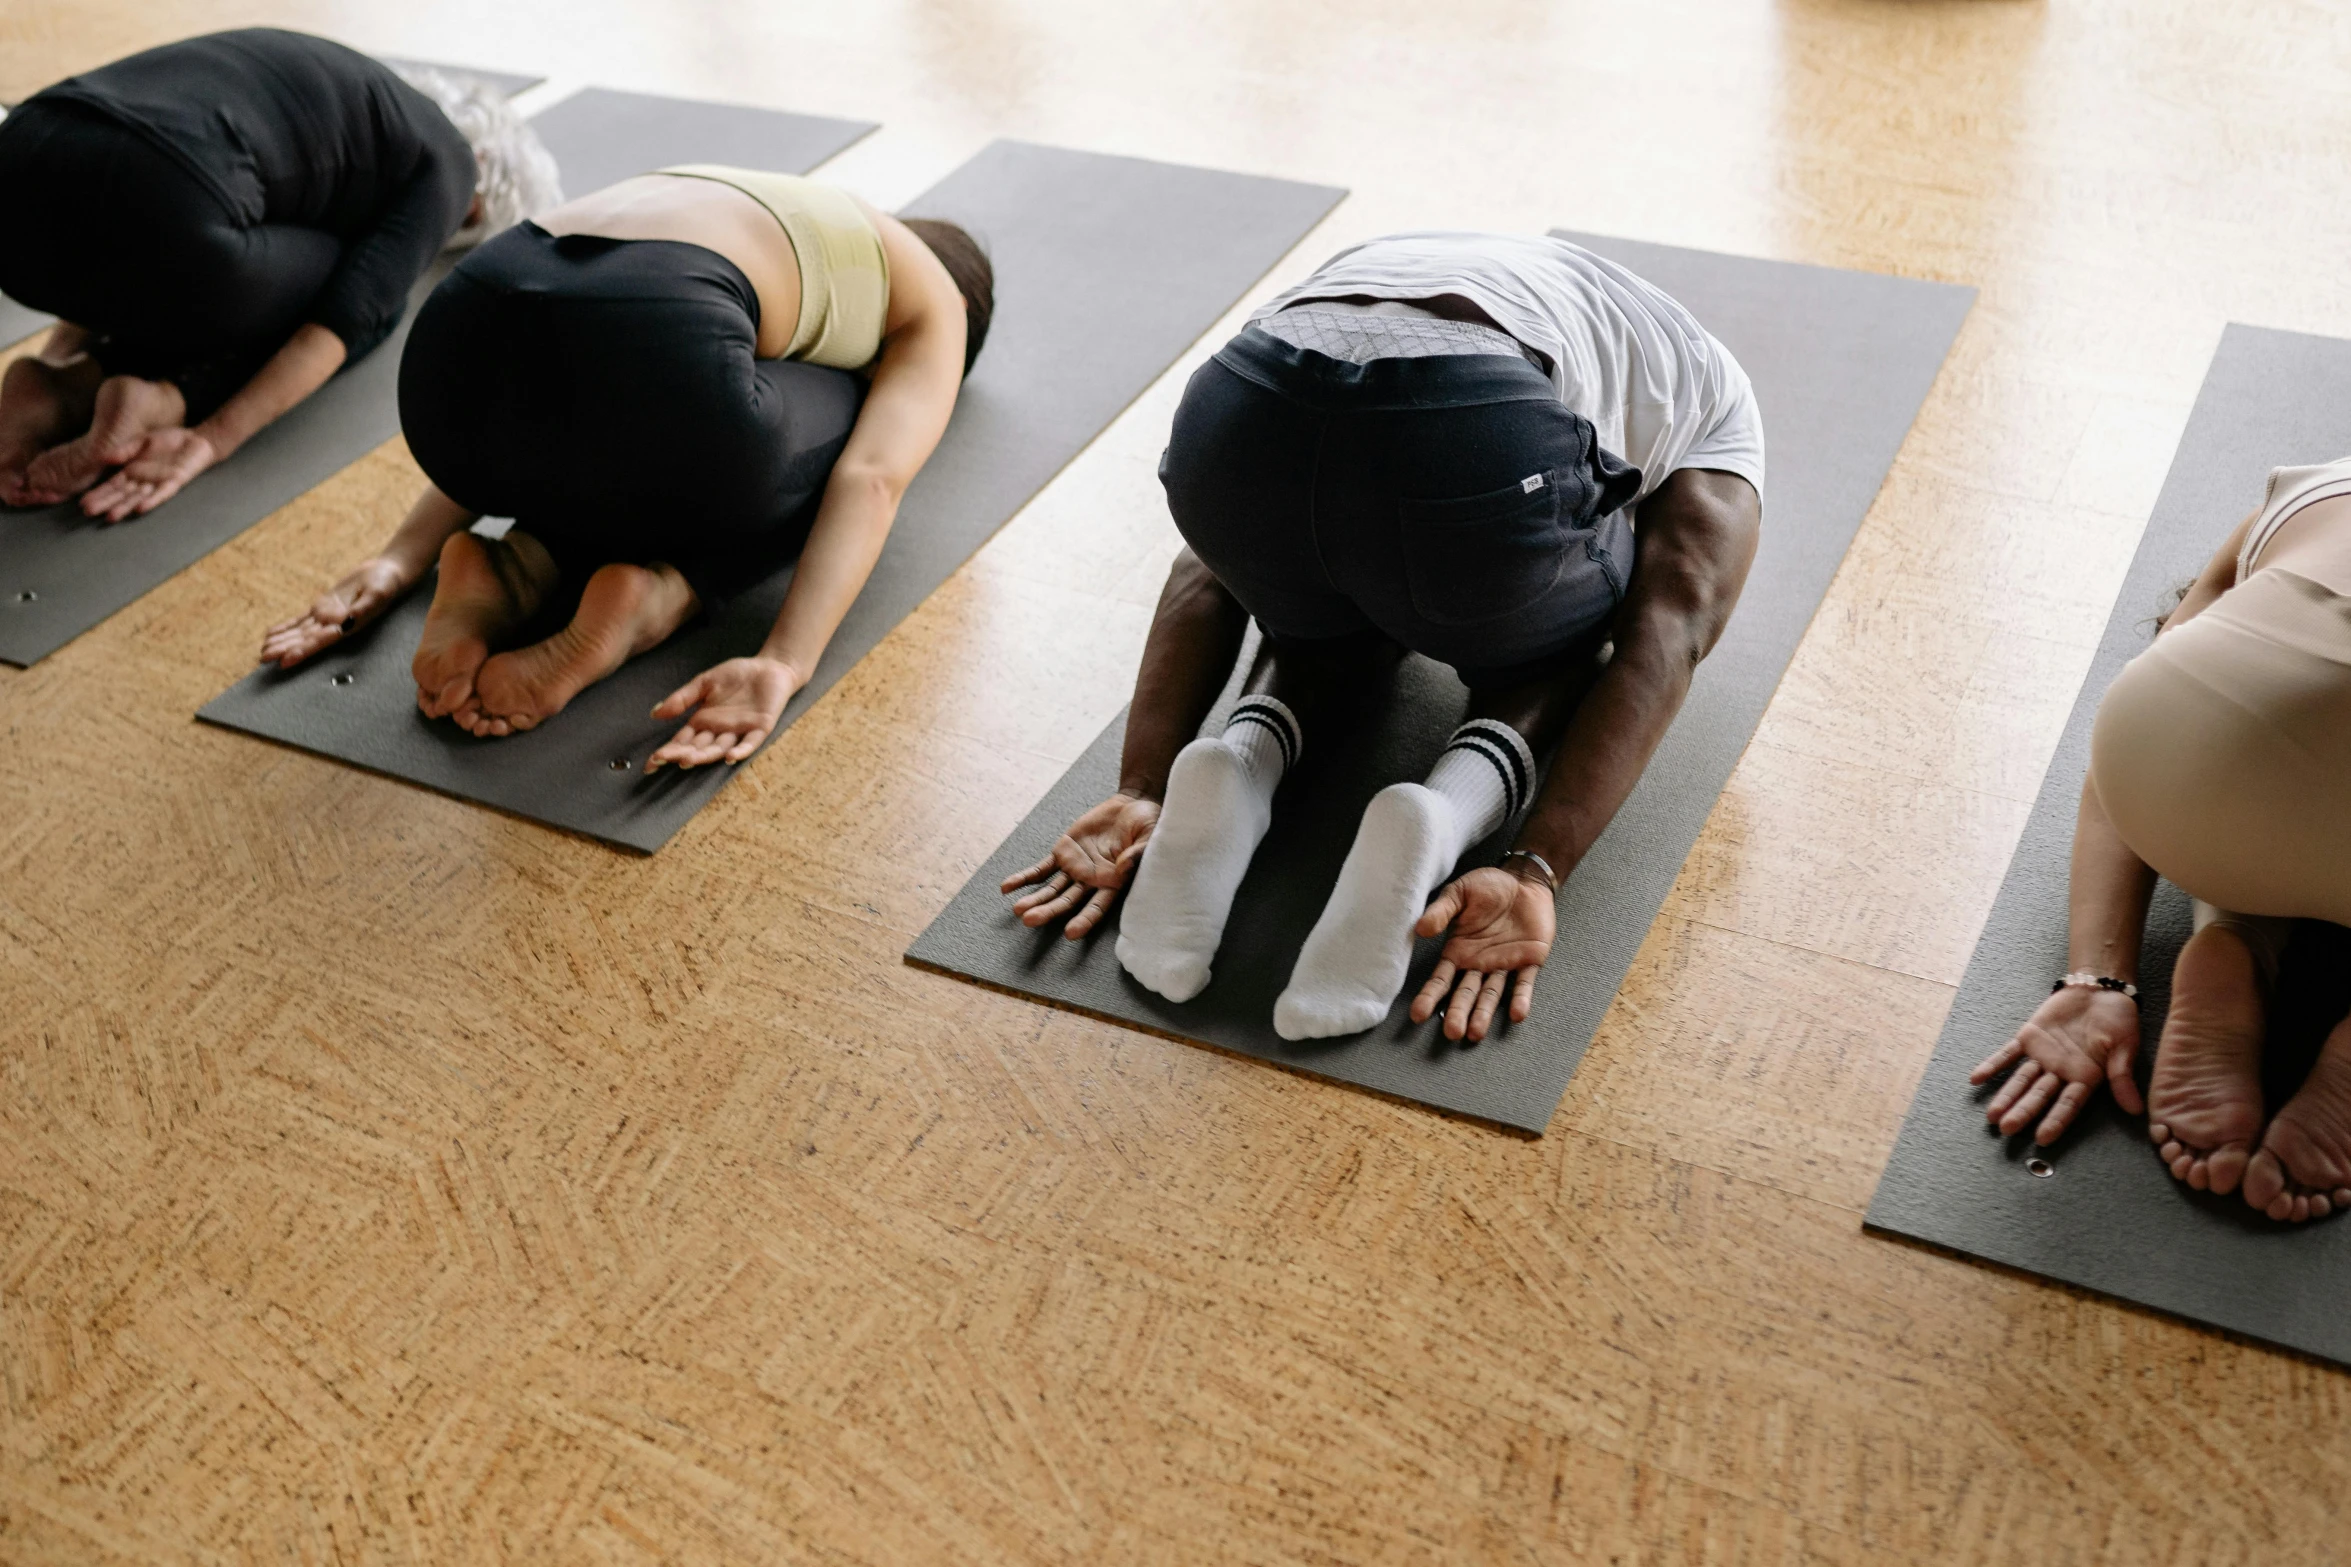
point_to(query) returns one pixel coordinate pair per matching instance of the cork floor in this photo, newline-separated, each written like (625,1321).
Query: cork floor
(382,1180)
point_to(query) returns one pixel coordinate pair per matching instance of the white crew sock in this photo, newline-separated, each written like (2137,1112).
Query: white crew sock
(1218,806)
(1354,960)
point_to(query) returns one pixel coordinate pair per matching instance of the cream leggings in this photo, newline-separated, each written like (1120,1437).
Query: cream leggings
(2222,755)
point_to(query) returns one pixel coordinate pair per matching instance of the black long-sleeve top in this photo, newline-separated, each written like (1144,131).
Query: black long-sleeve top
(291,129)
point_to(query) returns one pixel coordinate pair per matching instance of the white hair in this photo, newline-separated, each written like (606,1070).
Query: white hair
(515,174)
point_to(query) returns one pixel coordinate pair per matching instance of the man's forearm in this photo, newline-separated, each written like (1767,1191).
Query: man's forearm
(1608,743)
(305,363)
(1195,636)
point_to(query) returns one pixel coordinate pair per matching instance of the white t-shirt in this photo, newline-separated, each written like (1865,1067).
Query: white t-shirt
(1660,392)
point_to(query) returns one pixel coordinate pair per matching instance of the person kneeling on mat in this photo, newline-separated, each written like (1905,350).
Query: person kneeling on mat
(221,225)
(674,386)
(2221,759)
(1503,453)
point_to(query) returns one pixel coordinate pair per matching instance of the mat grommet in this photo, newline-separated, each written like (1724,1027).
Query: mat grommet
(2039,1167)
(619,764)
(26,596)
(344,678)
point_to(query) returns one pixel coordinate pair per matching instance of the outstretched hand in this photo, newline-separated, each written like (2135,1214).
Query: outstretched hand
(1089,865)
(2074,1041)
(735,706)
(342,609)
(165,461)
(1502,926)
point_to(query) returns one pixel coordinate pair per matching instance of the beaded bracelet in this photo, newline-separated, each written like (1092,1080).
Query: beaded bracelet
(2089,981)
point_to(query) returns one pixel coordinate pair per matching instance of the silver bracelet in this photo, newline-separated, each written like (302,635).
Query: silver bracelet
(2089,981)
(1541,864)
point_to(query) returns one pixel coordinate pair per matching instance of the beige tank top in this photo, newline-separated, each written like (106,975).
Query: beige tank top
(844,276)
(2290,490)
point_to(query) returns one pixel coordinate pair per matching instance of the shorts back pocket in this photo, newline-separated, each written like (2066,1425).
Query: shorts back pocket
(1484,556)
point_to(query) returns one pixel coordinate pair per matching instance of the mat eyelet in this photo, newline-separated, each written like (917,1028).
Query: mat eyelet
(342,679)
(26,596)
(619,764)
(2039,1168)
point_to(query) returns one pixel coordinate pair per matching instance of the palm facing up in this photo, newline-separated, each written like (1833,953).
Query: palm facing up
(336,613)
(1502,925)
(1089,864)
(735,706)
(2074,1041)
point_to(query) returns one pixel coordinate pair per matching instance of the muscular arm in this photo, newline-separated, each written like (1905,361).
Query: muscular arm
(1698,534)
(1195,636)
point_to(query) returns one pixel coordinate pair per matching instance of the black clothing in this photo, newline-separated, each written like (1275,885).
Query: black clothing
(195,204)
(605,394)
(1453,504)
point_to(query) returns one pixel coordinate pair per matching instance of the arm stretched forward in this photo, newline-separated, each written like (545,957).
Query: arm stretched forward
(1698,534)
(2080,1038)
(373,586)
(737,704)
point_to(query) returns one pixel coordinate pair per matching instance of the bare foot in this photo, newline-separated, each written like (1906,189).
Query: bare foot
(479,598)
(40,405)
(127,410)
(623,611)
(2204,1105)
(2303,1168)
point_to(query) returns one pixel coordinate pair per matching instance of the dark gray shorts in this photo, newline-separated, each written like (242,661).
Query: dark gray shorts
(1452,503)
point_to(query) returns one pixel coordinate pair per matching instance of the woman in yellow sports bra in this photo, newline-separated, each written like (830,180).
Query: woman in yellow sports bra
(2221,760)
(673,385)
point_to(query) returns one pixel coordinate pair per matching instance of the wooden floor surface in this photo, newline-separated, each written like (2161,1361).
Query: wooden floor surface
(382,1180)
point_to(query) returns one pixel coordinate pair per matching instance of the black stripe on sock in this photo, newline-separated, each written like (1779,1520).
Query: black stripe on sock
(1268,718)
(1504,762)
(1513,746)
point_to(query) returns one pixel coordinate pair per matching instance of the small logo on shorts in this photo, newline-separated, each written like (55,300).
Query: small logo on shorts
(1531,483)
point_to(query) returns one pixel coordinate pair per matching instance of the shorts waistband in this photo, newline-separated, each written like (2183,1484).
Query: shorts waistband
(1443,381)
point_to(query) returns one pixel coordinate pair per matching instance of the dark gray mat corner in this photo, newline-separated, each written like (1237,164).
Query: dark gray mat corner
(61,574)
(504,83)
(1841,362)
(600,135)
(1107,269)
(2109,1217)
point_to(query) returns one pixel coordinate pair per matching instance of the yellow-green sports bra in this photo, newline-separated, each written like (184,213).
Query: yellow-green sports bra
(844,276)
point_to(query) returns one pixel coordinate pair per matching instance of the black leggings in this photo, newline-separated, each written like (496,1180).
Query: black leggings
(605,394)
(111,233)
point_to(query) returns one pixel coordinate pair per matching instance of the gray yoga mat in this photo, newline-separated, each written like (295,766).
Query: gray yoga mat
(18,323)
(1841,362)
(61,574)
(2107,1216)
(505,83)
(600,135)
(1106,270)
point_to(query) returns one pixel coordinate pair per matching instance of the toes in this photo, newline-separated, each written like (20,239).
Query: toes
(2265,1181)
(2226,1166)
(2160,1135)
